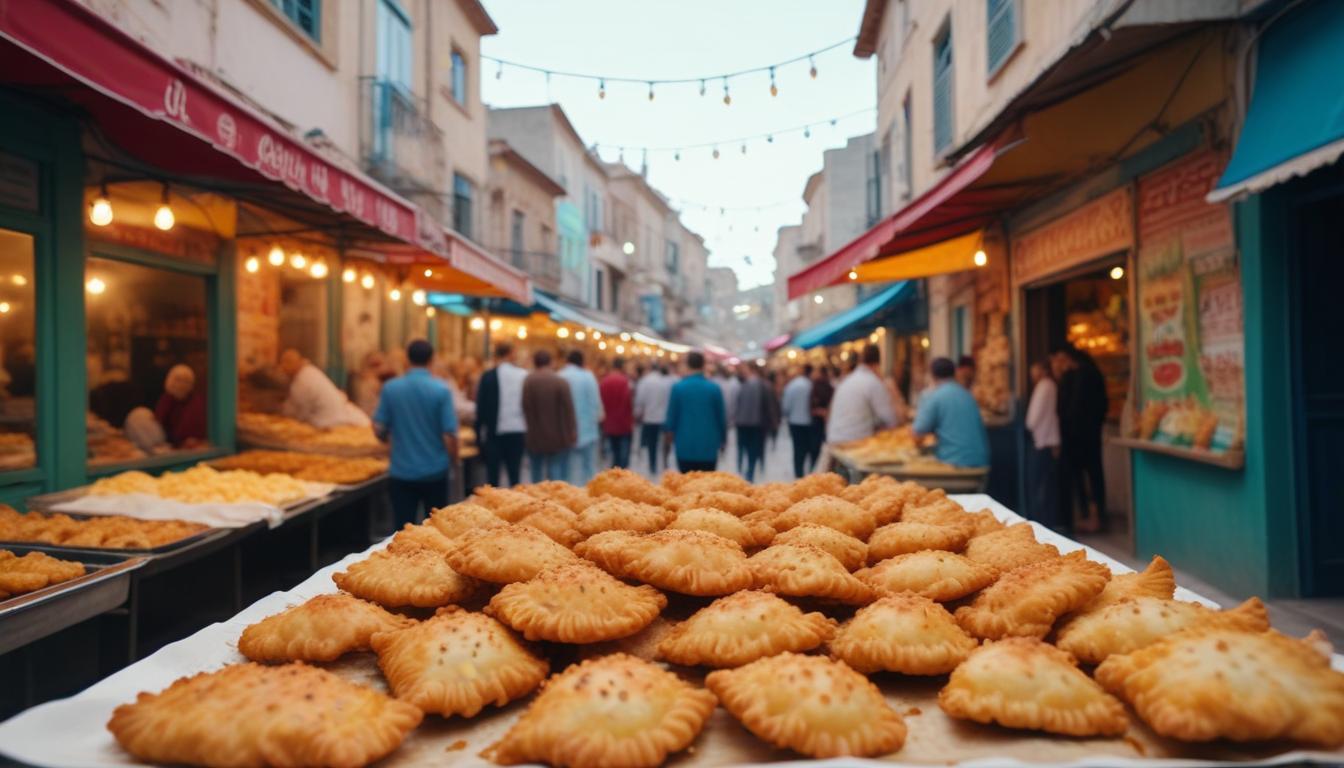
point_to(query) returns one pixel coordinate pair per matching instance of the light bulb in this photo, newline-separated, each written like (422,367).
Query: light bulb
(818,299)
(394,294)
(163,217)
(602,89)
(429,273)
(662,353)
(620,349)
(602,345)
(522,332)
(252,264)
(924,342)
(348,275)
(625,337)
(650,91)
(562,333)
(418,297)
(276,256)
(813,70)
(319,269)
(100,213)
(95,286)
(628,248)
(298,260)
(597,335)
(429,312)
(496,324)
(1117,273)
(980,259)
(477,324)
(4,307)
(853,275)
(716,153)
(366,281)
(793,354)
(580,335)
(18,280)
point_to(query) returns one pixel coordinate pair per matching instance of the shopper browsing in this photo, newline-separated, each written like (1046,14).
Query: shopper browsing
(1043,461)
(552,429)
(588,414)
(696,423)
(417,416)
(861,404)
(618,406)
(950,412)
(651,396)
(500,424)
(753,419)
(797,406)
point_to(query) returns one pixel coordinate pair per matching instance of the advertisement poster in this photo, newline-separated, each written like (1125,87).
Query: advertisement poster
(1190,354)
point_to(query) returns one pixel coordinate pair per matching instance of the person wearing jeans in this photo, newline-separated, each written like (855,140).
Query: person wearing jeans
(500,425)
(618,407)
(797,407)
(552,429)
(588,415)
(696,420)
(416,415)
(651,396)
(1042,422)
(752,421)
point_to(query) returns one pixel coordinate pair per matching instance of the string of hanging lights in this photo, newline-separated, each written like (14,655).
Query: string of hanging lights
(702,81)
(805,129)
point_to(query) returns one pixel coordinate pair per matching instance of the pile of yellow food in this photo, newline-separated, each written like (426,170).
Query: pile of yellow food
(102,532)
(281,431)
(33,571)
(204,485)
(629,611)
(890,446)
(314,467)
(17,451)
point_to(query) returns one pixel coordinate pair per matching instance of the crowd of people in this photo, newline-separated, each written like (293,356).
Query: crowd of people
(1065,416)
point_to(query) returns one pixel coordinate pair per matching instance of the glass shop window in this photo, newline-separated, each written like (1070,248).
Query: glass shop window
(18,353)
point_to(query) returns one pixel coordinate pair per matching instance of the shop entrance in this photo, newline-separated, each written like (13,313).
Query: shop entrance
(1318,363)
(1090,310)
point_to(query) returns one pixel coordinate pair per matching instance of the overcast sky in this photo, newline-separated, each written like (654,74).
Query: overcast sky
(693,39)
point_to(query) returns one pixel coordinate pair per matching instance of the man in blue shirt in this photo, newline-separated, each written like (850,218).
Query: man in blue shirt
(587,413)
(951,413)
(415,413)
(696,423)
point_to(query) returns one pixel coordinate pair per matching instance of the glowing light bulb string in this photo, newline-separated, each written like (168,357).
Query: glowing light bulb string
(767,136)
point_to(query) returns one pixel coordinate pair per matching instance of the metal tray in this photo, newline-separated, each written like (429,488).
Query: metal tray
(44,503)
(33,615)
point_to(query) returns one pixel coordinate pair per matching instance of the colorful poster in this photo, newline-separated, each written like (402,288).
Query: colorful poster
(1190,352)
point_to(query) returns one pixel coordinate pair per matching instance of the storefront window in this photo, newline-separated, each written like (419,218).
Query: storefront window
(18,352)
(147,361)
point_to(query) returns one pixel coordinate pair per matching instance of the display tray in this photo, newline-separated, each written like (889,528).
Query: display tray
(246,441)
(33,615)
(72,732)
(162,549)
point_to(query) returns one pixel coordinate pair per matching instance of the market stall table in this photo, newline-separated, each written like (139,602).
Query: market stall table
(105,585)
(934,475)
(72,732)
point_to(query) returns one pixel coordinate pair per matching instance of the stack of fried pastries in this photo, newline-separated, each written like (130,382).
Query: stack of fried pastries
(33,571)
(101,532)
(629,610)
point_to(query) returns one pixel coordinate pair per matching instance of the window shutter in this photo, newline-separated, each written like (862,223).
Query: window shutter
(942,93)
(1001,31)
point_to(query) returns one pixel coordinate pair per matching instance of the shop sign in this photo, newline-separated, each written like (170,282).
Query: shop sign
(19,183)
(181,243)
(1101,227)
(1191,342)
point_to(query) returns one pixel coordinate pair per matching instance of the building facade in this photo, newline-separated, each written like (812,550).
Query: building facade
(520,215)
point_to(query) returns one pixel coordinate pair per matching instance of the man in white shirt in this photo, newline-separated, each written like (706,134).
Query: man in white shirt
(797,407)
(862,403)
(1043,461)
(729,386)
(314,399)
(500,424)
(651,397)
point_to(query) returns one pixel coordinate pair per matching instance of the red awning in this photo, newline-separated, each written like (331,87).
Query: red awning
(54,44)
(777,342)
(951,207)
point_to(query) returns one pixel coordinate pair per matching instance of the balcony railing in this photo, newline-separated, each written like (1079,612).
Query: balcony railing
(400,145)
(543,268)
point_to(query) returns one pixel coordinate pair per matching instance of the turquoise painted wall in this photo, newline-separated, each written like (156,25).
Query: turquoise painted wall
(1237,528)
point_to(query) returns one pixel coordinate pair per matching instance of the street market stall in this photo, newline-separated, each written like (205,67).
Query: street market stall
(896,453)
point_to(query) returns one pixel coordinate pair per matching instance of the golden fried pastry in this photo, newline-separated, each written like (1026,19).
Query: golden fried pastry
(103,531)
(1009,548)
(507,554)
(1026,602)
(424,536)
(552,519)
(830,511)
(421,578)
(612,514)
(902,633)
(697,482)
(1215,682)
(810,704)
(724,524)
(34,571)
(313,467)
(576,603)
(455,520)
(940,511)
(687,562)
(456,663)
(741,628)
(1156,580)
(250,714)
(821,484)
(868,486)
(322,629)
(1138,622)
(615,710)
(851,552)
(934,574)
(571,497)
(1021,682)
(624,484)
(887,505)
(498,499)
(773,503)
(905,537)
(803,570)
(732,503)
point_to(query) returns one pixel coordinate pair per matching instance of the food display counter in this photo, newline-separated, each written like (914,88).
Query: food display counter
(31,616)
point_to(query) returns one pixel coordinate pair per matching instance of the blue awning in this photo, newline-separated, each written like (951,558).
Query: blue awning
(1295,122)
(895,307)
(562,312)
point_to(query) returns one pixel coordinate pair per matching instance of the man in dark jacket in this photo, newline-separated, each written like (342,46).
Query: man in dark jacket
(552,428)
(499,416)
(753,419)
(1082,405)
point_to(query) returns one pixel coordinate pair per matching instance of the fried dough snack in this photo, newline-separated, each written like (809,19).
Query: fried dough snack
(697,482)
(1027,601)
(934,574)
(686,562)
(940,511)
(902,633)
(905,537)
(1138,622)
(322,629)
(576,603)
(419,577)
(851,552)
(1009,548)
(552,519)
(455,520)
(422,536)
(34,571)
(101,532)
(803,570)
(741,628)
(1021,682)
(624,484)
(499,499)
(611,711)
(984,522)
(810,704)
(507,554)
(1156,580)
(869,486)
(830,511)
(571,497)
(732,503)
(1218,683)
(887,505)
(456,663)
(722,523)
(250,714)
(612,514)
(314,467)
(821,484)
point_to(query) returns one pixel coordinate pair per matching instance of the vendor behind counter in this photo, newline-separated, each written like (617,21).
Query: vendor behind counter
(313,398)
(950,412)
